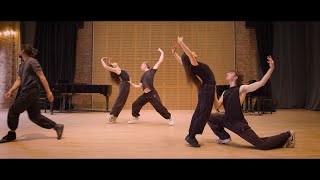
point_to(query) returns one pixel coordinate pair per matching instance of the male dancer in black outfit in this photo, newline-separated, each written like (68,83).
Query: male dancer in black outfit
(28,95)
(150,94)
(234,120)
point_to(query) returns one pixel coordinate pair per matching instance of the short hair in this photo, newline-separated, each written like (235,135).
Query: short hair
(240,76)
(147,64)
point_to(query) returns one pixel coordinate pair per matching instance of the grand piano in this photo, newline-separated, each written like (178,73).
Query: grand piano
(65,90)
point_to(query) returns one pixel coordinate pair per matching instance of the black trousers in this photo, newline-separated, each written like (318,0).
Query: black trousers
(203,109)
(153,98)
(124,89)
(217,124)
(28,100)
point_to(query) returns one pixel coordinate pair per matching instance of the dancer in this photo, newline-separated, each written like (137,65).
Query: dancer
(195,69)
(150,94)
(29,94)
(234,120)
(121,78)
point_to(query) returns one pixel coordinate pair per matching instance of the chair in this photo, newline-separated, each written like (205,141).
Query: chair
(265,104)
(249,98)
(43,101)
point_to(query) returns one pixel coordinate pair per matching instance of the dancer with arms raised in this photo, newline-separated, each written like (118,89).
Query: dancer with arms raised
(149,92)
(196,71)
(233,118)
(121,78)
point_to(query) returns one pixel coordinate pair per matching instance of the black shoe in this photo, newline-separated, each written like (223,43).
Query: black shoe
(11,136)
(59,129)
(193,142)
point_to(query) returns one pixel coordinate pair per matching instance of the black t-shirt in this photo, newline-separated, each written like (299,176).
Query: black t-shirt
(124,76)
(204,72)
(27,72)
(147,79)
(232,106)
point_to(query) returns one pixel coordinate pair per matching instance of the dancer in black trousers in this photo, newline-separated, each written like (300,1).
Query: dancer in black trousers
(121,78)
(150,94)
(29,95)
(234,120)
(195,70)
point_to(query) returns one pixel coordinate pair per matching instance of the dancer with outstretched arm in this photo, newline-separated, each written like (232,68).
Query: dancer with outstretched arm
(121,78)
(149,92)
(196,71)
(233,118)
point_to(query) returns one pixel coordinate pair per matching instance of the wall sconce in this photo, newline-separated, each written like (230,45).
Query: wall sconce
(7,33)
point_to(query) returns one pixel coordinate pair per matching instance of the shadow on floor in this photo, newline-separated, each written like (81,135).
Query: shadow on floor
(34,136)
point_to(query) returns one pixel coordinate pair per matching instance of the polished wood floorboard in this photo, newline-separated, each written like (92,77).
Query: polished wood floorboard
(87,135)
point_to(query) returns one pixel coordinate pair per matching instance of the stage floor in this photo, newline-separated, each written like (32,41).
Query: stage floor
(87,135)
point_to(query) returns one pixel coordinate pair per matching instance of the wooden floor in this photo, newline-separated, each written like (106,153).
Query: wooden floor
(87,135)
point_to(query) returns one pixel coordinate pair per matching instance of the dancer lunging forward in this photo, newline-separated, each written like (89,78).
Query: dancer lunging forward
(121,78)
(29,94)
(195,70)
(234,120)
(150,94)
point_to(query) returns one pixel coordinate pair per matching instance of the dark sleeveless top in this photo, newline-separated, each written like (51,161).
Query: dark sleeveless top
(232,105)
(204,72)
(124,75)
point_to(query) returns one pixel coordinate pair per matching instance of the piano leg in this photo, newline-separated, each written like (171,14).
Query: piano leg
(248,102)
(51,107)
(70,102)
(107,104)
(62,105)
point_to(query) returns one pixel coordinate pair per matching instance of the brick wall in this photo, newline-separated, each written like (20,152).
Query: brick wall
(83,73)
(8,58)
(246,51)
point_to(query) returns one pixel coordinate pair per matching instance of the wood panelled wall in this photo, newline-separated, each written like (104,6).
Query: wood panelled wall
(131,43)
